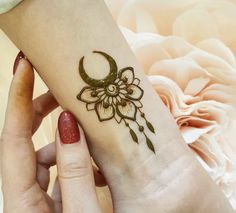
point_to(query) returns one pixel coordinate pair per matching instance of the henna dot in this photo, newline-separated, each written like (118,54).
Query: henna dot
(130,91)
(125,79)
(123,103)
(94,94)
(141,128)
(106,105)
(126,124)
(142,114)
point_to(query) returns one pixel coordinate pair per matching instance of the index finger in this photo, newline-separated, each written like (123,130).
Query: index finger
(18,156)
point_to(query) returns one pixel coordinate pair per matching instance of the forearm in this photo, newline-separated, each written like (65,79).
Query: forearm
(74,30)
(55,35)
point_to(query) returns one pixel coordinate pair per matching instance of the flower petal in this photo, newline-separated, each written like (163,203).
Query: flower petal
(138,104)
(136,81)
(90,106)
(129,110)
(118,99)
(121,84)
(127,75)
(134,92)
(118,118)
(122,95)
(104,113)
(85,95)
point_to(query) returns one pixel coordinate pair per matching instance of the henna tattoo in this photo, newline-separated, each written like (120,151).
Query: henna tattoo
(116,96)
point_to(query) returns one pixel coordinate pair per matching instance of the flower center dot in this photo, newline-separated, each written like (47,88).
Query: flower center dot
(112,90)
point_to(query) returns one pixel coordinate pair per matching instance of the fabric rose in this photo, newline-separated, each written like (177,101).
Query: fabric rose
(194,20)
(193,71)
(197,84)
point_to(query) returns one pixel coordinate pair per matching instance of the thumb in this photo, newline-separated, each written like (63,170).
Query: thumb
(74,167)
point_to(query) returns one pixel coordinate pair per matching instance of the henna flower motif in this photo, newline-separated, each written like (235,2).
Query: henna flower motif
(119,99)
(116,96)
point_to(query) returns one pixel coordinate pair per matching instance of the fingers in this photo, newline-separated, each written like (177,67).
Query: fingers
(100,181)
(19,108)
(46,157)
(43,105)
(74,167)
(18,156)
(56,196)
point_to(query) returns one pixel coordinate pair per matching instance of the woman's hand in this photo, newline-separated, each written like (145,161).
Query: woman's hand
(25,174)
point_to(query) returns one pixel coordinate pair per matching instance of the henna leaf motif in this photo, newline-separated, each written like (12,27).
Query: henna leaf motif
(149,144)
(133,135)
(150,127)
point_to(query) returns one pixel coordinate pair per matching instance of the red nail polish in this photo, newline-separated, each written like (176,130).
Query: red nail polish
(17,60)
(68,128)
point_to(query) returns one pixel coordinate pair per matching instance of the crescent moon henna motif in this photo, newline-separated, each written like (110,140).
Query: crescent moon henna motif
(117,96)
(111,77)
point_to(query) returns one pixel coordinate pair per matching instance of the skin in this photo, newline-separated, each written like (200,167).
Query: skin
(170,180)
(30,169)
(114,92)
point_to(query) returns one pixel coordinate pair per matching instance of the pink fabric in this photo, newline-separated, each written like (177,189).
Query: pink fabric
(186,48)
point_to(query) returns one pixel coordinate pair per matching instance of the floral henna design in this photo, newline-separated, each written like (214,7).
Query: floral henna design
(116,96)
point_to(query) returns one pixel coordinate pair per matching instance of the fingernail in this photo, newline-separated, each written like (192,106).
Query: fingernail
(17,60)
(68,128)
